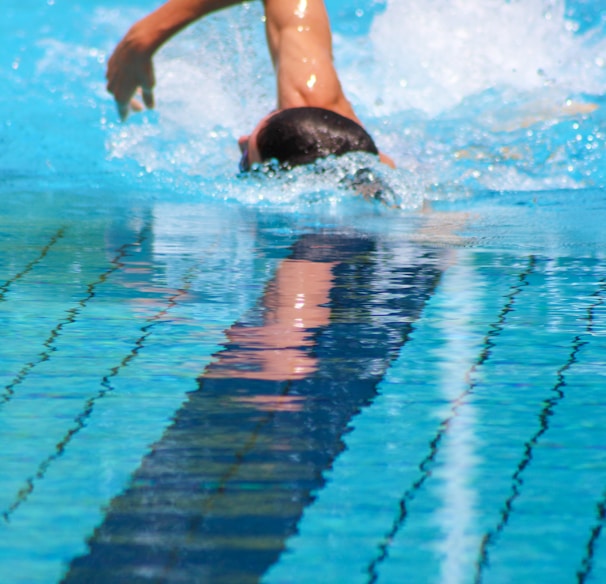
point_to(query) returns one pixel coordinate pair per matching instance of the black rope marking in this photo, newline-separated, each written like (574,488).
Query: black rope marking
(426,465)
(72,314)
(516,479)
(548,410)
(106,387)
(29,267)
(596,530)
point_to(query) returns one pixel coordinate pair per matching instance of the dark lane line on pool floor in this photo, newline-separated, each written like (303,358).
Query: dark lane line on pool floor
(427,463)
(106,387)
(592,542)
(596,531)
(556,396)
(4,288)
(72,316)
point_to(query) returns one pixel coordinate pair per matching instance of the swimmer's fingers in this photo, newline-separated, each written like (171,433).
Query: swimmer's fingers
(123,109)
(129,70)
(148,97)
(121,84)
(123,90)
(125,106)
(147,81)
(134,105)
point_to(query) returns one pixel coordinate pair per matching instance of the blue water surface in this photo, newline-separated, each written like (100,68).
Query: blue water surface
(442,417)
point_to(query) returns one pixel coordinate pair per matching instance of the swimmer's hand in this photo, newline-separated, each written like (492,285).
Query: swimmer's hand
(129,69)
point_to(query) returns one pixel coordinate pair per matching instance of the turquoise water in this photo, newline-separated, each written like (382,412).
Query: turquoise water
(437,417)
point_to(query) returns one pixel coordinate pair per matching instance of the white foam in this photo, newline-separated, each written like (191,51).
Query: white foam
(431,55)
(493,65)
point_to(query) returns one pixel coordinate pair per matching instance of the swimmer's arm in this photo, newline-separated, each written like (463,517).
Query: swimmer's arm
(130,67)
(300,43)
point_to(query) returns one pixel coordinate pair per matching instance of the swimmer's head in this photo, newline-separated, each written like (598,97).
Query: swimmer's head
(297,136)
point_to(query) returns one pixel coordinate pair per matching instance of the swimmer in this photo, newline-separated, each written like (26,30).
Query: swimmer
(313,118)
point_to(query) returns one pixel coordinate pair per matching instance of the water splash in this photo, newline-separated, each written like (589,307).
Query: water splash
(435,54)
(507,95)
(466,96)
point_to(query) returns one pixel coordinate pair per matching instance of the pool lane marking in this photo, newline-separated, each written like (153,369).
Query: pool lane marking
(29,267)
(427,463)
(596,531)
(81,418)
(546,412)
(106,387)
(72,314)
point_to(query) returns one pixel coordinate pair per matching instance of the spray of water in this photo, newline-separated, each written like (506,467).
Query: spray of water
(466,95)
(435,54)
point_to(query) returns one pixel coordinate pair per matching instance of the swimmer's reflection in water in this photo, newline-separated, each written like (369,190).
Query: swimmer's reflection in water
(228,481)
(295,307)
(278,344)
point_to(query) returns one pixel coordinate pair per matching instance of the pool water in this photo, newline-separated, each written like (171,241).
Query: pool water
(208,377)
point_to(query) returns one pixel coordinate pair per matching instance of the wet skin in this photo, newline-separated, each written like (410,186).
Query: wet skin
(299,41)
